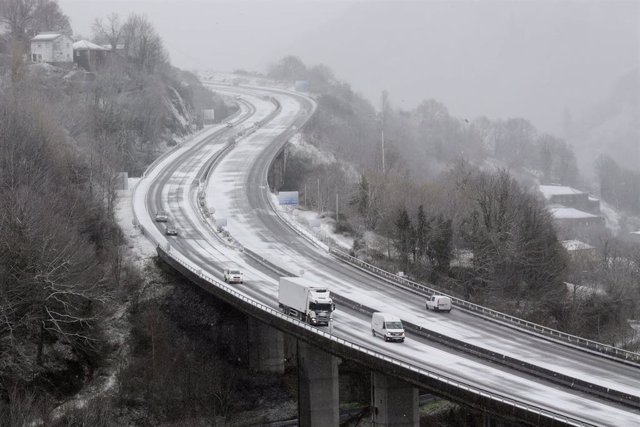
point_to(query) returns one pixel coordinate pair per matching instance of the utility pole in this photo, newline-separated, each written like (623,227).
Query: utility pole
(319,205)
(383,102)
(305,195)
(337,208)
(382,143)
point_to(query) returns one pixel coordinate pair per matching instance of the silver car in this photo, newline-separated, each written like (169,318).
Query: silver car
(162,216)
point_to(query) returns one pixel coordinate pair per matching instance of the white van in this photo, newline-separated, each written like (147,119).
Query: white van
(233,275)
(387,326)
(439,303)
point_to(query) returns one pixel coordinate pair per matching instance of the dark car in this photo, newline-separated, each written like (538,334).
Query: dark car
(162,216)
(170,230)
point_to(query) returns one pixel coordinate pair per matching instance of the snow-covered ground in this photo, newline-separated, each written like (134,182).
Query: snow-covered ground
(319,225)
(141,249)
(611,217)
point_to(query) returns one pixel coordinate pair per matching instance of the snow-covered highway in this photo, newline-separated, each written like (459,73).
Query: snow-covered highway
(236,190)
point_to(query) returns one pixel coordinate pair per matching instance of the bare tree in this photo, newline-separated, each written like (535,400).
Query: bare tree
(52,288)
(47,16)
(516,253)
(17,16)
(108,30)
(26,18)
(289,68)
(142,44)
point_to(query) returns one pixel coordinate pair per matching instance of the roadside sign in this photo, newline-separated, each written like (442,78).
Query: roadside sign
(289,198)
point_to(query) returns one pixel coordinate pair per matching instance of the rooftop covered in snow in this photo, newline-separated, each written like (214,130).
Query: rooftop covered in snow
(576,245)
(45,37)
(87,45)
(560,212)
(557,190)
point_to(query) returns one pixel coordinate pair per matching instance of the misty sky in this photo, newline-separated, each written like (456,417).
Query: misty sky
(531,59)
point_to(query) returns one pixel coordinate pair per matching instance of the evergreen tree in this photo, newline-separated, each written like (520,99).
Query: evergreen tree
(404,237)
(439,248)
(366,204)
(422,234)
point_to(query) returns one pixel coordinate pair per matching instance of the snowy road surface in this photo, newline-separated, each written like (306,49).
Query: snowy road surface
(237,191)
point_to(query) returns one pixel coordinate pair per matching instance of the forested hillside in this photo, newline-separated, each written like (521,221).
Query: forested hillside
(454,202)
(65,134)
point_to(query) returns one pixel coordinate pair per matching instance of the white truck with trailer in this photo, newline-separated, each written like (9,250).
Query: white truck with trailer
(306,300)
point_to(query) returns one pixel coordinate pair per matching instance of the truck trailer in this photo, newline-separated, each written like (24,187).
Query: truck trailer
(305,300)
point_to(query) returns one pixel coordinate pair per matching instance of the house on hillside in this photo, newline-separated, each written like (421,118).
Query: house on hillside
(53,48)
(90,56)
(579,250)
(570,198)
(572,223)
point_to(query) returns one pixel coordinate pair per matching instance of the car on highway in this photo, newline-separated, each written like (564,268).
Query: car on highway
(162,216)
(229,124)
(233,275)
(170,229)
(439,303)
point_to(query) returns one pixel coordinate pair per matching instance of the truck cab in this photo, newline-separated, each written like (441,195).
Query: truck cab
(320,307)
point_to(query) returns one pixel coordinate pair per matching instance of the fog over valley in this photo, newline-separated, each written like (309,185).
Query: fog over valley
(559,65)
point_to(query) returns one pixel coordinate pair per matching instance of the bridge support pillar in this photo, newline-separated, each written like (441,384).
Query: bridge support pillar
(265,347)
(493,421)
(318,387)
(394,402)
(290,351)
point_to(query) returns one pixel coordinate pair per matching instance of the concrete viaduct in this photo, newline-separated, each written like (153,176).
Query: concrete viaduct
(274,337)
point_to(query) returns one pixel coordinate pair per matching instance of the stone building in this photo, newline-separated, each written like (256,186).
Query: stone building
(52,48)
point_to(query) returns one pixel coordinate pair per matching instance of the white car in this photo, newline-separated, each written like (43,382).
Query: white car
(439,303)
(232,275)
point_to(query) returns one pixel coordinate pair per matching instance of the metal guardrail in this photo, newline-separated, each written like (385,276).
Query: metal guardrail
(493,314)
(508,361)
(164,253)
(204,174)
(527,326)
(177,147)
(477,351)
